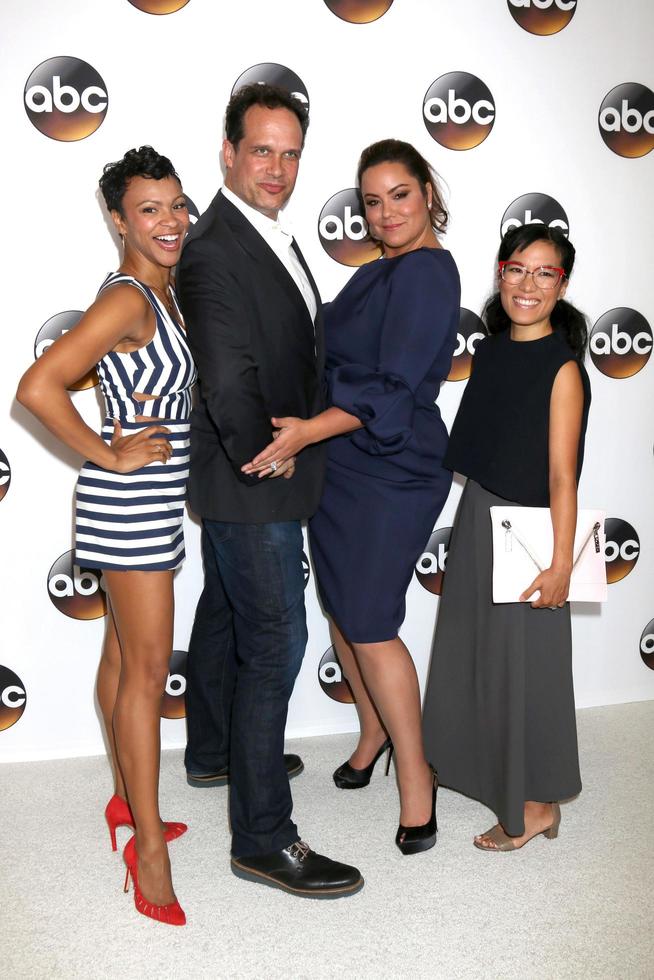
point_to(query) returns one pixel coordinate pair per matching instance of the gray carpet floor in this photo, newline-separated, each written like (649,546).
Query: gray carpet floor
(579,906)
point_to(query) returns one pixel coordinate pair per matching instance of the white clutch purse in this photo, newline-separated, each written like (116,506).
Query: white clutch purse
(523,542)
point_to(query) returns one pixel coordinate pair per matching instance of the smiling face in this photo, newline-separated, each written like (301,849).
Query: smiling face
(527,306)
(154,221)
(397,208)
(262,168)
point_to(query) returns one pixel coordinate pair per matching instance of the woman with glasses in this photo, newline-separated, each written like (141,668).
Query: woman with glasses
(499,714)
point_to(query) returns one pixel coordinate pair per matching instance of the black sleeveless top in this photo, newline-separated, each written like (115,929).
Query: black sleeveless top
(500,434)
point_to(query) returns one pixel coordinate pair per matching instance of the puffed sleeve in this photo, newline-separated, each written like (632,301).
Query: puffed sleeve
(419,324)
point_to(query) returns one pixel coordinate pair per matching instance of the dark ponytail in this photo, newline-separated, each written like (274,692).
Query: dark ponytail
(565,317)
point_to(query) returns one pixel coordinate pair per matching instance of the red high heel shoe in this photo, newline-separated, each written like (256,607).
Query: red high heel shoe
(171,914)
(118,814)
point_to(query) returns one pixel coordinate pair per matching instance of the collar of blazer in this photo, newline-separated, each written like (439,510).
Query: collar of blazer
(253,243)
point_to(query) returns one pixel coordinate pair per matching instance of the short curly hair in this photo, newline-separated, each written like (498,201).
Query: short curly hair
(144,162)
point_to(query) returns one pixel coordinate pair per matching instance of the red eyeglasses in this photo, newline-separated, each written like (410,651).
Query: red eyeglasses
(545,276)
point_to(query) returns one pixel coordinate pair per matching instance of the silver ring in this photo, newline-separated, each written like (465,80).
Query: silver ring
(553,607)
(274,465)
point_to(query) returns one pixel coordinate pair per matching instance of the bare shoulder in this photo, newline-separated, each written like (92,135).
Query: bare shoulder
(568,388)
(568,377)
(125,305)
(122,296)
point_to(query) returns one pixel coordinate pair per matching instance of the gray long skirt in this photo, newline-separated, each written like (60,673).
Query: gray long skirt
(499,713)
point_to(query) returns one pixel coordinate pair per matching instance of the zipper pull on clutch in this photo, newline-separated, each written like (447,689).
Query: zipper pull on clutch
(508,537)
(596,537)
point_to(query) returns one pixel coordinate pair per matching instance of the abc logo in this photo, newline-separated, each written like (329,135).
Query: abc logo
(343,230)
(12,698)
(306,569)
(542,16)
(458,110)
(76,591)
(359,11)
(646,646)
(471,331)
(621,342)
(159,6)
(66,99)
(430,567)
(5,475)
(51,330)
(626,120)
(273,74)
(332,680)
(621,550)
(535,209)
(173,704)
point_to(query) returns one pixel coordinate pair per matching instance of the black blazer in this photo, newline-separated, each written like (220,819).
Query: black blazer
(258,355)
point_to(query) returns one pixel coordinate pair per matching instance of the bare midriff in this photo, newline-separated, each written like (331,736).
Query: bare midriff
(138,396)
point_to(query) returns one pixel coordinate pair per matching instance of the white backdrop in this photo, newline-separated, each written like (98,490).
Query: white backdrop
(167,79)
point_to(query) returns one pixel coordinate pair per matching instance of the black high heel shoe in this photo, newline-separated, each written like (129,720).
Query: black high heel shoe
(347,777)
(412,840)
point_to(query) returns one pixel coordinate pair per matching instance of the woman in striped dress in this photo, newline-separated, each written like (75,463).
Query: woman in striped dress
(131,489)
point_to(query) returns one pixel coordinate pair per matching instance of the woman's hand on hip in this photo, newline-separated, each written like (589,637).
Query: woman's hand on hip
(133,452)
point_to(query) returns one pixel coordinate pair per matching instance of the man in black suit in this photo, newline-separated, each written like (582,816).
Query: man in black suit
(252,312)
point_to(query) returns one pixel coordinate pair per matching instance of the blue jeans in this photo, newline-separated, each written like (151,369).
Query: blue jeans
(246,648)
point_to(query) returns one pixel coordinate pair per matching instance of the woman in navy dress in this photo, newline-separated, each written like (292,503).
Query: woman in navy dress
(131,490)
(390,335)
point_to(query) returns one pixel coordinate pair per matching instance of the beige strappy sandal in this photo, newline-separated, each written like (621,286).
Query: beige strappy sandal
(503,842)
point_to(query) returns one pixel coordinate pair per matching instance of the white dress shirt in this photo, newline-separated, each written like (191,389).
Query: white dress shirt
(280,241)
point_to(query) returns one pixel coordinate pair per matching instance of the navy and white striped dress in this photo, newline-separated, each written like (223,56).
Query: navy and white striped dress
(133,521)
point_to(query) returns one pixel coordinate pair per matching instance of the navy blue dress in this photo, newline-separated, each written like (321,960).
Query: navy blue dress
(390,335)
